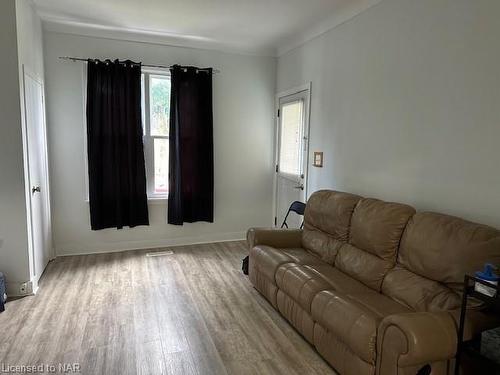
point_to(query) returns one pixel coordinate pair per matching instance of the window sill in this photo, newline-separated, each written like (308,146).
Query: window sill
(157,200)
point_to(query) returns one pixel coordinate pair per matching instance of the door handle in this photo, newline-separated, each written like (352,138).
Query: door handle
(35,189)
(301,187)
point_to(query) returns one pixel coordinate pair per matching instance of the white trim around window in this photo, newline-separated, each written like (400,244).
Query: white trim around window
(149,137)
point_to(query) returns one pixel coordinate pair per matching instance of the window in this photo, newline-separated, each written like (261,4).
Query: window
(155,105)
(290,161)
(156,115)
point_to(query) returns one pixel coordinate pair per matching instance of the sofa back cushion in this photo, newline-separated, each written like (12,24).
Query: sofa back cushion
(417,292)
(376,230)
(326,222)
(436,252)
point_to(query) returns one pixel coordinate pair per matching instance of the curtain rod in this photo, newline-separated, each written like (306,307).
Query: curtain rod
(214,71)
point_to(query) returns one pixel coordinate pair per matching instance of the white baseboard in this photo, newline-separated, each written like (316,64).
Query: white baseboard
(69,249)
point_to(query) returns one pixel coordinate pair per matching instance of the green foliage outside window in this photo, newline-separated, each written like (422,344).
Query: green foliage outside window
(160,105)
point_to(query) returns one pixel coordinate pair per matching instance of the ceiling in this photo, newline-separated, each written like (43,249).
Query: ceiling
(269,27)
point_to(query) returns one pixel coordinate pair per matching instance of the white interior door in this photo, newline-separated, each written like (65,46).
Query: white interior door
(37,174)
(292,151)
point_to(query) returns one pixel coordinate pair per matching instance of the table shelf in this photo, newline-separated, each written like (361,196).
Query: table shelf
(474,349)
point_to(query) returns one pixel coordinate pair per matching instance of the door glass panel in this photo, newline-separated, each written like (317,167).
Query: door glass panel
(161,165)
(159,88)
(291,138)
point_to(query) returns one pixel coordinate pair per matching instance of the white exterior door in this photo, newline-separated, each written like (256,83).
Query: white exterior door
(292,151)
(40,245)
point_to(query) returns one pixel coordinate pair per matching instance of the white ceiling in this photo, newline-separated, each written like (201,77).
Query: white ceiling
(267,27)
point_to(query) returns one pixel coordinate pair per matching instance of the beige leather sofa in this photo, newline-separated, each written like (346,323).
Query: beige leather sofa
(374,286)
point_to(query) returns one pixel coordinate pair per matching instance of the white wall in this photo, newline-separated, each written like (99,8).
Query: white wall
(406,104)
(29,36)
(13,227)
(21,45)
(243,137)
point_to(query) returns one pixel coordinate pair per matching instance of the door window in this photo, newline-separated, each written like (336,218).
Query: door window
(290,158)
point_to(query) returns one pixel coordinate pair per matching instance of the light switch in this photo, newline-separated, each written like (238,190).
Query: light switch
(318,159)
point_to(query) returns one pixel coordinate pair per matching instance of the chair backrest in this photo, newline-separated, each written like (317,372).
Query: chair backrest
(298,208)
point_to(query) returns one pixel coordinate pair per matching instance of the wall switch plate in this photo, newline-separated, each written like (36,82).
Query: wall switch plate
(318,159)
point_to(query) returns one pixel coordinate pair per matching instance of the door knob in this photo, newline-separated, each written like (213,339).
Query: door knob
(301,187)
(35,189)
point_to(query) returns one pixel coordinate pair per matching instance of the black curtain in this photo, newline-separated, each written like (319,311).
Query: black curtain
(117,175)
(191,169)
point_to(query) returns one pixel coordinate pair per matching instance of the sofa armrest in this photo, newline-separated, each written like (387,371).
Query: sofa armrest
(414,340)
(274,237)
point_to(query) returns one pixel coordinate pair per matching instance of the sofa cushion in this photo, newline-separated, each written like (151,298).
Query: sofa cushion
(376,229)
(363,266)
(379,304)
(267,259)
(443,248)
(354,319)
(339,355)
(321,243)
(326,222)
(297,316)
(338,279)
(264,285)
(377,226)
(302,282)
(419,293)
(302,256)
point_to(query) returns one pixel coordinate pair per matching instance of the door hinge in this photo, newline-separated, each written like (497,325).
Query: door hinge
(278,113)
(277,168)
(275,221)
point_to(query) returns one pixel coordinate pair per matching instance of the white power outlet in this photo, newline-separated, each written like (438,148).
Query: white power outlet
(23,288)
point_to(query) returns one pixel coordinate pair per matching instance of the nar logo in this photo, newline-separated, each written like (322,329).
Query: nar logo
(69,368)
(61,368)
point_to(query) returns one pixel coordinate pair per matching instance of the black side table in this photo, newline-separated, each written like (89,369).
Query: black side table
(491,305)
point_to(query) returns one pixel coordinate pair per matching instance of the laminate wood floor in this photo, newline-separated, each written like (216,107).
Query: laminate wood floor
(192,312)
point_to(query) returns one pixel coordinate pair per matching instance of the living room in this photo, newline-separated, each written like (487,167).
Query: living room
(151,153)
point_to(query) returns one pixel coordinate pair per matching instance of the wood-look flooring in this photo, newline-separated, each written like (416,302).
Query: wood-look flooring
(192,312)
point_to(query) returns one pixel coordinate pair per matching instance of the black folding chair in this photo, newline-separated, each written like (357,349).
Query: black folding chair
(298,208)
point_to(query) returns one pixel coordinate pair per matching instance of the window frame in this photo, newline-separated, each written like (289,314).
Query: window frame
(148,139)
(300,161)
